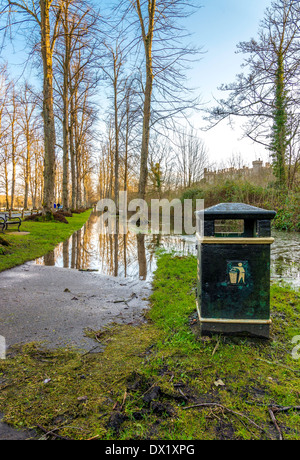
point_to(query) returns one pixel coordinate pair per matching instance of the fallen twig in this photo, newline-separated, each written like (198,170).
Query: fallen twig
(216,347)
(51,433)
(273,418)
(122,301)
(228,410)
(284,409)
(276,363)
(90,351)
(183,395)
(124,399)
(275,408)
(5,386)
(96,338)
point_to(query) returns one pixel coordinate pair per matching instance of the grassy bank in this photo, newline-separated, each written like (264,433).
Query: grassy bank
(42,238)
(160,380)
(286,204)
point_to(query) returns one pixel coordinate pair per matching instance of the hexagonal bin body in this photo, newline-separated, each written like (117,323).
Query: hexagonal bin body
(233,287)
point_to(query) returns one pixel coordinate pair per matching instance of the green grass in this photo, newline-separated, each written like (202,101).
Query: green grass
(43,238)
(146,382)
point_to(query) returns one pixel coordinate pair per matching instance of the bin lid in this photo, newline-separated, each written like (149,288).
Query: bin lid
(224,211)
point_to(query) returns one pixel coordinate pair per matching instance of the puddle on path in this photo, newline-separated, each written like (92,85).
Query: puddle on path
(134,256)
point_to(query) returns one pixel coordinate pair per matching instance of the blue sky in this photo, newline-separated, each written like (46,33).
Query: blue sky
(217,27)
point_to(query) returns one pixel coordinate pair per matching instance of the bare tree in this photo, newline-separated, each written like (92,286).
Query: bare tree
(162,164)
(28,125)
(112,69)
(36,175)
(12,110)
(44,15)
(156,24)
(266,96)
(4,127)
(4,162)
(192,158)
(130,122)
(77,41)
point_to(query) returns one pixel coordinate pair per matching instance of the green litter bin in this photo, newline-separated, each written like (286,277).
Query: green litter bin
(233,286)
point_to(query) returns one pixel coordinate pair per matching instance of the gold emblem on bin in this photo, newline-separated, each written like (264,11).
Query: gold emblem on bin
(237,275)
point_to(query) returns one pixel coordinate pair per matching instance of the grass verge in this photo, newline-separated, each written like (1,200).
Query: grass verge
(160,380)
(42,238)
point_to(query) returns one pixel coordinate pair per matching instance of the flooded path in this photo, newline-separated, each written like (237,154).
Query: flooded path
(134,256)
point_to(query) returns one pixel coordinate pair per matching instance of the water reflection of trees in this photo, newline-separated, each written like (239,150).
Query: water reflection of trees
(285,260)
(133,255)
(130,255)
(76,252)
(123,255)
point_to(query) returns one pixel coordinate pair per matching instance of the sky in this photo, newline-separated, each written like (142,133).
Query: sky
(217,27)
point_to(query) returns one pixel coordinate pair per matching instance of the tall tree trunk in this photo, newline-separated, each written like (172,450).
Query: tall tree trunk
(13,175)
(48,114)
(34,201)
(65,184)
(279,144)
(66,71)
(77,150)
(13,119)
(27,169)
(72,155)
(6,183)
(78,177)
(116,138)
(147,40)
(126,147)
(145,138)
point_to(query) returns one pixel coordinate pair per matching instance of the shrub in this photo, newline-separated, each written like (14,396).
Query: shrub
(287,205)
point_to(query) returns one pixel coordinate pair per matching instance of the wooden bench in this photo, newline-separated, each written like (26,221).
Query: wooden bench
(11,221)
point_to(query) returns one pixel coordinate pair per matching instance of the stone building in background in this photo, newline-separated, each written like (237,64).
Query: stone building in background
(259,174)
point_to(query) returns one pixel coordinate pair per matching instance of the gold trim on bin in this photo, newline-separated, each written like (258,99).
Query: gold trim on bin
(232,321)
(235,321)
(214,240)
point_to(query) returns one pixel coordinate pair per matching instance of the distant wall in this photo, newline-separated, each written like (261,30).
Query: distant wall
(259,173)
